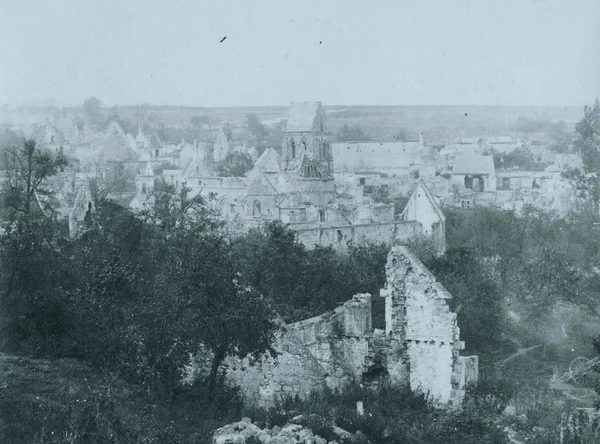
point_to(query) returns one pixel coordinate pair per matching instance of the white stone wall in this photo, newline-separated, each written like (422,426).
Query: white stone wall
(417,312)
(420,347)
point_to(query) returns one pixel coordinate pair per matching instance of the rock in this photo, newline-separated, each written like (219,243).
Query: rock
(342,434)
(275,430)
(360,438)
(300,419)
(319,440)
(509,411)
(243,431)
(236,433)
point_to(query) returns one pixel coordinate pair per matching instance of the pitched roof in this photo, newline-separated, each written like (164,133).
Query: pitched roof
(421,187)
(301,117)
(268,162)
(475,164)
(379,155)
(114,146)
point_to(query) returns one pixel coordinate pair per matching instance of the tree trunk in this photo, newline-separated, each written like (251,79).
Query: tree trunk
(218,357)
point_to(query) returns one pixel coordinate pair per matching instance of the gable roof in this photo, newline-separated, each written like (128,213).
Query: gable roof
(259,184)
(379,155)
(268,162)
(422,188)
(474,164)
(301,117)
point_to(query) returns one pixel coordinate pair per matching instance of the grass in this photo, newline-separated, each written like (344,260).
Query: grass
(65,401)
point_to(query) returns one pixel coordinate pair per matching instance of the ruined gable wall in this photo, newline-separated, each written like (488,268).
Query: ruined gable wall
(418,315)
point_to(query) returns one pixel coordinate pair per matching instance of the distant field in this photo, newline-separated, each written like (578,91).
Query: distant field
(380,123)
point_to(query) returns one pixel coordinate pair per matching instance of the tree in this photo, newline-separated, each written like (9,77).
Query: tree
(208,301)
(560,140)
(236,164)
(258,133)
(28,169)
(199,120)
(475,297)
(92,109)
(587,145)
(29,243)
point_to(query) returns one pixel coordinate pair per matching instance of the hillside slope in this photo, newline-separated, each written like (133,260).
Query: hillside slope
(43,401)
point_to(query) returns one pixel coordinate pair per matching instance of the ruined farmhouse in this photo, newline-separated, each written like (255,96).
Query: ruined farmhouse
(419,349)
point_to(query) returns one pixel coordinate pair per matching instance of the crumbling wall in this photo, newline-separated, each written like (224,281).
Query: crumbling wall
(417,314)
(293,371)
(419,348)
(338,235)
(339,339)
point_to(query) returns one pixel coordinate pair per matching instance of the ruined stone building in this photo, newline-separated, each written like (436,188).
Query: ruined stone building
(419,348)
(475,172)
(296,187)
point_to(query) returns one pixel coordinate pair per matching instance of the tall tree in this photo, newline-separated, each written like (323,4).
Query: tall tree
(587,145)
(92,108)
(29,239)
(25,188)
(257,132)
(208,301)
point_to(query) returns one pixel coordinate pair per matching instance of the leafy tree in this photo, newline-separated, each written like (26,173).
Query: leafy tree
(352,133)
(30,243)
(25,188)
(520,158)
(587,144)
(92,109)
(199,120)
(258,133)
(275,136)
(209,302)
(560,140)
(475,297)
(236,164)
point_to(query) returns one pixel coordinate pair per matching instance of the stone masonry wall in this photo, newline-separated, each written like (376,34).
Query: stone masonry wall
(417,312)
(419,348)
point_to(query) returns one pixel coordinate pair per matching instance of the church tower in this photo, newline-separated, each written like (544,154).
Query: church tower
(306,145)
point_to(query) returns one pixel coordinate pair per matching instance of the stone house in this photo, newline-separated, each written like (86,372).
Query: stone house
(475,172)
(423,207)
(419,349)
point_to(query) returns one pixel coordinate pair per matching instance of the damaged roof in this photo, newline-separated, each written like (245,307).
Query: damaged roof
(474,164)
(301,117)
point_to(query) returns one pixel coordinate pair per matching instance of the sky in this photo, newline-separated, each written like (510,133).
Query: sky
(271,52)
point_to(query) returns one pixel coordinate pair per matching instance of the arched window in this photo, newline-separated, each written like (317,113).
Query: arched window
(293,149)
(304,145)
(256,211)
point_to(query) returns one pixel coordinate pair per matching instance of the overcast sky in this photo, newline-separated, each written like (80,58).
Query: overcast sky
(346,52)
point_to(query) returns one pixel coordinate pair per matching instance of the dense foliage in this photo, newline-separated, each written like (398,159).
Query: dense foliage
(236,164)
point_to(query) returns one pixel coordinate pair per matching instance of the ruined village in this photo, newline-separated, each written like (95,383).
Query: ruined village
(328,237)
